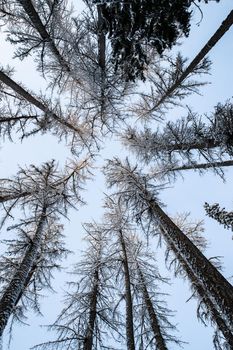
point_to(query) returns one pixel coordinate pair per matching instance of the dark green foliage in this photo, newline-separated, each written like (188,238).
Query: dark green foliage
(131,26)
(134,27)
(221,215)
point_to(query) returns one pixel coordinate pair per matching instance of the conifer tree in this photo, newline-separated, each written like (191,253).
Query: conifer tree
(49,194)
(134,28)
(25,113)
(89,303)
(191,139)
(147,321)
(43,27)
(140,195)
(223,217)
(154,104)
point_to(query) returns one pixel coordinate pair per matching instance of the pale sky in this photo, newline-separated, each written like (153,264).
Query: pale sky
(187,195)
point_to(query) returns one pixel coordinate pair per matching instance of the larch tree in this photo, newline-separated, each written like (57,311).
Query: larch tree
(28,115)
(146,317)
(152,105)
(192,139)
(140,195)
(44,194)
(43,28)
(87,97)
(89,303)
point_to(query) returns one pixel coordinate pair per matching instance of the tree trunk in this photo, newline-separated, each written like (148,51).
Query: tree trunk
(38,25)
(202,166)
(128,297)
(226,24)
(101,40)
(88,341)
(219,289)
(31,99)
(205,297)
(11,295)
(202,145)
(102,61)
(160,342)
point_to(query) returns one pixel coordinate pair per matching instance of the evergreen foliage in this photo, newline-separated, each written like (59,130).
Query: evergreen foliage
(223,217)
(138,26)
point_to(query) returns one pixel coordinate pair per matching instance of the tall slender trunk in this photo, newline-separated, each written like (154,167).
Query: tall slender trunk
(34,101)
(88,341)
(155,326)
(11,295)
(219,289)
(101,60)
(226,24)
(36,21)
(101,40)
(128,296)
(201,145)
(205,297)
(202,166)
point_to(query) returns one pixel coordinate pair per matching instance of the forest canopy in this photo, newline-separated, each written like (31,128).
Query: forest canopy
(112,81)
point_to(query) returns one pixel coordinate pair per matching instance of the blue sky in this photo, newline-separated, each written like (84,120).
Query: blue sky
(187,195)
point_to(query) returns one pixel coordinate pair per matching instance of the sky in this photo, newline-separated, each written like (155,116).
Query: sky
(187,194)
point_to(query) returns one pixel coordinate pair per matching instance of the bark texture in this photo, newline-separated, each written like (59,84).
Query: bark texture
(20,279)
(219,289)
(88,341)
(155,326)
(205,297)
(128,296)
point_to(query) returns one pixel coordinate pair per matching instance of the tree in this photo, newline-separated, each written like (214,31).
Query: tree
(223,217)
(86,97)
(45,28)
(155,104)
(162,74)
(89,304)
(49,194)
(152,315)
(81,73)
(170,172)
(15,264)
(133,27)
(191,138)
(139,194)
(52,117)
(147,319)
